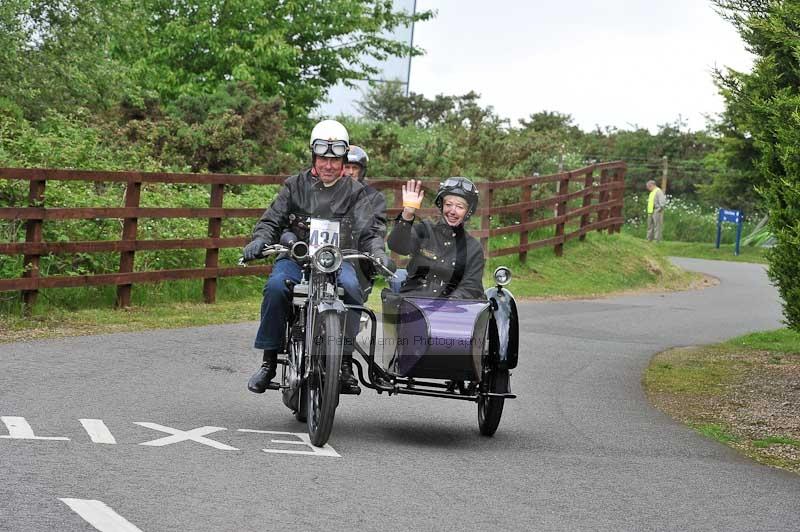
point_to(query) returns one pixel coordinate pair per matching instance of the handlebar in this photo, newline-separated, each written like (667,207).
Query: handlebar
(352,254)
(347,254)
(266,252)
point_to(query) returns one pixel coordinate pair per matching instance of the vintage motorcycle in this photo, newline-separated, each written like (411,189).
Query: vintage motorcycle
(446,348)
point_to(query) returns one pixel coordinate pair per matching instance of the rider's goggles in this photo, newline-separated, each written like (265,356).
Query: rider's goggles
(338,148)
(459,183)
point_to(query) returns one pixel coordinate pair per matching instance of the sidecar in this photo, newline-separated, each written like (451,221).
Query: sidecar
(447,348)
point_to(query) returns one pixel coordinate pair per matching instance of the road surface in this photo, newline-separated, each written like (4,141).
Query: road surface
(158,433)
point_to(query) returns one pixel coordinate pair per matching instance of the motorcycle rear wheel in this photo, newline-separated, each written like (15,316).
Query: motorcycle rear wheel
(322,385)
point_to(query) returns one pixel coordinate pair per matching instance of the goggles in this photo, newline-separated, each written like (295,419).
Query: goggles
(337,148)
(459,183)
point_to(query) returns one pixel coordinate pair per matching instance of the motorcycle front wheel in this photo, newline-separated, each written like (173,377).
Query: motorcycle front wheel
(322,385)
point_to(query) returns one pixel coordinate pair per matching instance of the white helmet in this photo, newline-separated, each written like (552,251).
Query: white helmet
(329,138)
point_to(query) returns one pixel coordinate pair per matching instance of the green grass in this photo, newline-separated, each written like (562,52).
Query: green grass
(785,341)
(602,264)
(716,432)
(689,371)
(702,250)
(775,440)
(739,392)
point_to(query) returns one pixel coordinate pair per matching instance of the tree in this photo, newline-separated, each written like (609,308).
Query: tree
(295,49)
(764,103)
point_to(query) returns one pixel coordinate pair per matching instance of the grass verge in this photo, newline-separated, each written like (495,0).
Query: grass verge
(743,393)
(601,265)
(703,250)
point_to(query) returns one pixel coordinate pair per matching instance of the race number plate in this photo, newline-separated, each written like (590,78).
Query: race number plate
(322,232)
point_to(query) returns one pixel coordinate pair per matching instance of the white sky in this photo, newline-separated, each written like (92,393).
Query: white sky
(606,62)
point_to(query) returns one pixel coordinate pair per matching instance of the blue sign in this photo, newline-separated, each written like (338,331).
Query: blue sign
(729,216)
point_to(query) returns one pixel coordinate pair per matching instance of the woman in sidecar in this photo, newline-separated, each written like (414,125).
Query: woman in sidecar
(438,321)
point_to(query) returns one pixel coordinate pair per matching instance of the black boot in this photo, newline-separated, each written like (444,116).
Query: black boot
(349,384)
(260,380)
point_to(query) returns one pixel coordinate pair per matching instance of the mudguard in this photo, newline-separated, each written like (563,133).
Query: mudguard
(506,322)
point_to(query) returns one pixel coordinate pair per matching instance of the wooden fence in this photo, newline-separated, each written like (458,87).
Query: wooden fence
(600,198)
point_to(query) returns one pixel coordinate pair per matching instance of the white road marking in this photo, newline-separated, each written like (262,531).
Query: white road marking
(19,429)
(178,435)
(100,516)
(305,440)
(97,431)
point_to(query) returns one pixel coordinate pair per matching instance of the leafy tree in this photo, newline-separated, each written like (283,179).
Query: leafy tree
(764,104)
(295,49)
(59,55)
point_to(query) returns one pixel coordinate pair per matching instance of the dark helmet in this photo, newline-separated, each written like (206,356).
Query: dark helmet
(462,187)
(358,156)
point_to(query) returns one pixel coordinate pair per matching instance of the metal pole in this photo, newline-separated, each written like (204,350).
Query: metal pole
(664,175)
(408,73)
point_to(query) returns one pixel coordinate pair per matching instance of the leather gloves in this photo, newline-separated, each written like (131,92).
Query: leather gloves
(253,250)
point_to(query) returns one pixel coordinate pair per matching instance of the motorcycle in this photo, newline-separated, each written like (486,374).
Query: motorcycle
(444,348)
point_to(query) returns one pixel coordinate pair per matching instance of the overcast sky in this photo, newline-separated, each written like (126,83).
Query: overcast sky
(606,62)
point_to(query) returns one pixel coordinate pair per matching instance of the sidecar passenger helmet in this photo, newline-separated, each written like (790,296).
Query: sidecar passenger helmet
(462,187)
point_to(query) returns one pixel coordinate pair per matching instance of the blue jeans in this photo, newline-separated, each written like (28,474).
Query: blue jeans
(276,304)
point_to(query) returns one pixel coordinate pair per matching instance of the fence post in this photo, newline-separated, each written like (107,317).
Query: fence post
(588,183)
(602,214)
(33,233)
(129,226)
(619,197)
(486,219)
(524,217)
(212,254)
(561,210)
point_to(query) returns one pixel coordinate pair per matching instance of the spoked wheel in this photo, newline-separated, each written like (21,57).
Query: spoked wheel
(322,386)
(490,409)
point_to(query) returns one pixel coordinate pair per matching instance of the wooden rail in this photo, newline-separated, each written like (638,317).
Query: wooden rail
(601,202)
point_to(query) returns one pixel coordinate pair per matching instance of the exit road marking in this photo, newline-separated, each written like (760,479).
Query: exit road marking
(20,429)
(100,516)
(298,443)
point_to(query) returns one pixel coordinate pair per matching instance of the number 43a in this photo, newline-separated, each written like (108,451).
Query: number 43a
(321,238)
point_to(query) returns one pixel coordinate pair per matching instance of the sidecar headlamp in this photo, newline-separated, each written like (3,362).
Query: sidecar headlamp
(502,276)
(328,259)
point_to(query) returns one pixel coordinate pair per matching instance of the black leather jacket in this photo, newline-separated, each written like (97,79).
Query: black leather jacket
(445,261)
(304,195)
(378,202)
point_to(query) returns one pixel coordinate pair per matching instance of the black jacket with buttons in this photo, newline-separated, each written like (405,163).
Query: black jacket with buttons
(445,261)
(304,195)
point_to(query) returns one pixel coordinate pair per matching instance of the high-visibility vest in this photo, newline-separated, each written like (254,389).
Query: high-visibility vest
(651,200)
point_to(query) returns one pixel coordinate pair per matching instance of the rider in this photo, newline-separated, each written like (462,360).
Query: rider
(356,168)
(321,193)
(445,260)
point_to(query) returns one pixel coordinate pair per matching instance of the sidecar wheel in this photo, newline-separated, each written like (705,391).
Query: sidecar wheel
(322,385)
(490,409)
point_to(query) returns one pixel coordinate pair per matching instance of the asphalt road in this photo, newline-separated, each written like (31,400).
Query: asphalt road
(580,449)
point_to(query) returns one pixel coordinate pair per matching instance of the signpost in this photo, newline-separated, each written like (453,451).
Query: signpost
(736,217)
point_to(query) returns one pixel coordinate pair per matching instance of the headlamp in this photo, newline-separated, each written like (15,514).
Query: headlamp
(328,259)
(502,276)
